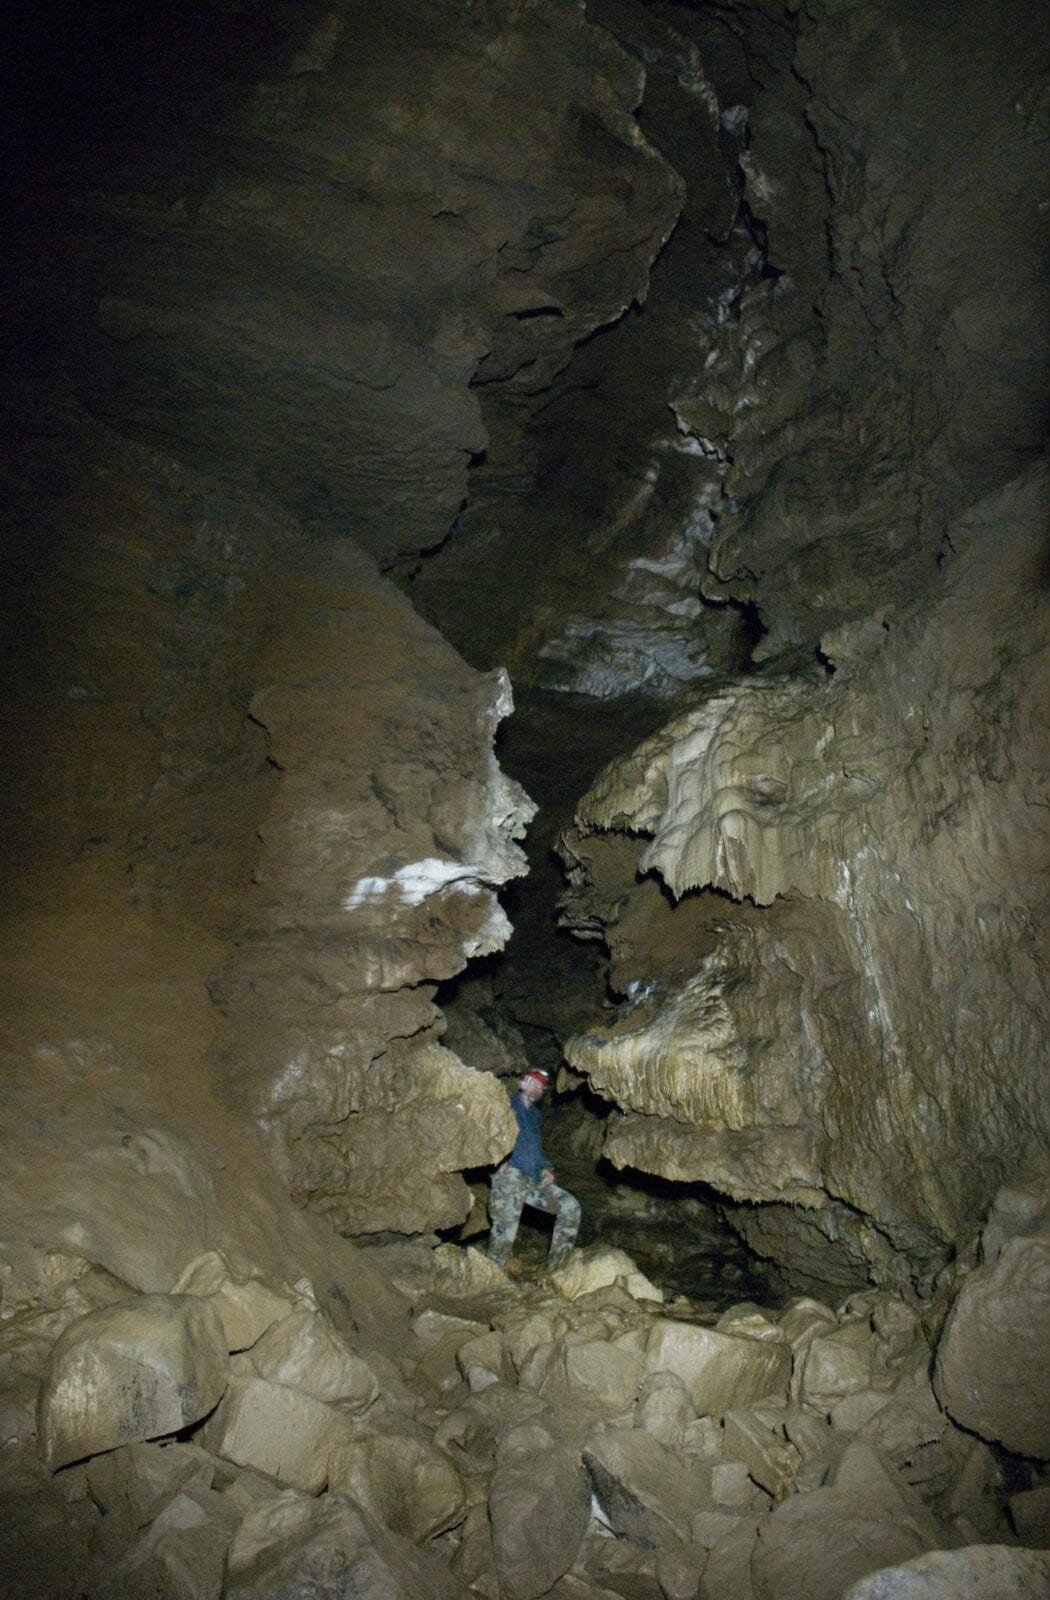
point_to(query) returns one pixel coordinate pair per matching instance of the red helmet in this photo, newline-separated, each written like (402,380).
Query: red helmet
(541,1075)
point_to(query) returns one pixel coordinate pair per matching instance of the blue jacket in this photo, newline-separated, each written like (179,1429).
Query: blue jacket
(528,1153)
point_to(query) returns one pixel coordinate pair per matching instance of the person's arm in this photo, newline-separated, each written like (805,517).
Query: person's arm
(544,1161)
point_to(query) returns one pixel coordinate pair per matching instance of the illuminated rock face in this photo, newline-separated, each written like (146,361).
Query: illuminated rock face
(391,828)
(862,1006)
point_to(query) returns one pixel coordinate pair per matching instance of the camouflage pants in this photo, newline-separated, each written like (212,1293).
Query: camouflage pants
(511,1191)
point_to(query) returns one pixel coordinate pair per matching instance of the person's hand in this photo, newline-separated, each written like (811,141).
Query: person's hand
(547,1175)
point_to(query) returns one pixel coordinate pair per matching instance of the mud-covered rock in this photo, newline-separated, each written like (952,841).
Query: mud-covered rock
(245,1302)
(273,1429)
(599,1265)
(646,1492)
(404,1482)
(329,1548)
(720,1370)
(980,1572)
(303,1351)
(815,1545)
(539,1507)
(134,1370)
(999,1327)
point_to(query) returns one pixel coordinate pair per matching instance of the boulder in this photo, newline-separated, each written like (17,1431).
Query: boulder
(979,1572)
(303,1351)
(1030,1515)
(405,1483)
(246,1304)
(276,1430)
(462,1273)
(711,1527)
(437,1373)
(137,1369)
(727,1572)
(731,1486)
(664,1408)
(703,1438)
(755,1435)
(815,1545)
(329,1550)
(627,1568)
(977,1493)
(877,1489)
(539,1508)
(603,1373)
(647,1493)
(750,1320)
(481,1360)
(816,1442)
(130,1484)
(434,1327)
(600,1265)
(678,1571)
(804,1317)
(720,1370)
(473,1561)
(181,1555)
(836,1364)
(485,1417)
(998,1328)
(524,1336)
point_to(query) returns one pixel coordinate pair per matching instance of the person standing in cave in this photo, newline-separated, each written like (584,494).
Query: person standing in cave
(526,1178)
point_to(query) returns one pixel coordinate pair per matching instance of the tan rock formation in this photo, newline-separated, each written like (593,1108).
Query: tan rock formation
(982,1572)
(539,1506)
(134,1370)
(303,1351)
(823,1051)
(407,1484)
(720,1370)
(998,1331)
(274,1429)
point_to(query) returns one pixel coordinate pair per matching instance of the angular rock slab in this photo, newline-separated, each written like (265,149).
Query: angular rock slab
(246,1304)
(644,1490)
(137,1369)
(303,1351)
(720,1370)
(603,1373)
(328,1550)
(599,1266)
(980,1572)
(180,1556)
(539,1508)
(406,1484)
(993,1362)
(815,1545)
(276,1430)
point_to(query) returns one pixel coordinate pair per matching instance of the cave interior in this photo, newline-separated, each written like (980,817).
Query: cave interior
(526,541)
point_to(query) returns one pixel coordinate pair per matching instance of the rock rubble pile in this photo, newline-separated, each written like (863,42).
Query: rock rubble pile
(572,1438)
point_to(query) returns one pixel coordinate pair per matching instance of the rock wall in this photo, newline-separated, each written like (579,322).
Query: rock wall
(391,827)
(841,988)
(255,813)
(864,997)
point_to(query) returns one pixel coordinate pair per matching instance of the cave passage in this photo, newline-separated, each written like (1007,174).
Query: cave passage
(524,540)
